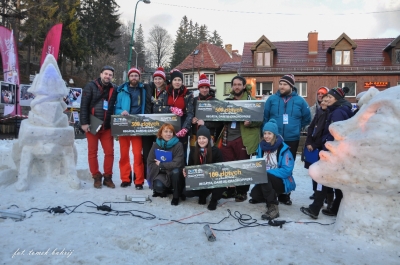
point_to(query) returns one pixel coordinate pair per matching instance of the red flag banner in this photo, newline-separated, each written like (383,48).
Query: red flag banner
(9,56)
(52,43)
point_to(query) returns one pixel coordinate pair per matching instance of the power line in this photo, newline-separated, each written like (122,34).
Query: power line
(277,13)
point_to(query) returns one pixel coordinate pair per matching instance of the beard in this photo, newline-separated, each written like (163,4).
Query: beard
(238,94)
(286,93)
(133,83)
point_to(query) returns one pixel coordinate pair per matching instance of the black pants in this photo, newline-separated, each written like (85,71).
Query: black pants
(268,192)
(147,143)
(184,141)
(216,193)
(319,197)
(293,145)
(177,182)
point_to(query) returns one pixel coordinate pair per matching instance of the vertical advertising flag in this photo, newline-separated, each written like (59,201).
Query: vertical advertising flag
(52,43)
(9,55)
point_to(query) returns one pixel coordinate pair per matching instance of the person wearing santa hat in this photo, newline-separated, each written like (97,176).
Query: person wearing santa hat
(177,99)
(133,98)
(215,127)
(156,87)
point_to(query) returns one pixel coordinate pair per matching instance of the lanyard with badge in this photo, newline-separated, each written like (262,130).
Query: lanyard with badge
(285,115)
(268,161)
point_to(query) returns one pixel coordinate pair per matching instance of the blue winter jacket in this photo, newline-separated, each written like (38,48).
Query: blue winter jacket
(124,98)
(298,113)
(285,167)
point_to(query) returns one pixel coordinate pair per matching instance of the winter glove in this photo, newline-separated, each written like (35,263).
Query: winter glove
(176,111)
(182,133)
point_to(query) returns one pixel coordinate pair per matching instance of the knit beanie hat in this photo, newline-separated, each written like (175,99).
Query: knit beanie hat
(204,131)
(271,126)
(324,90)
(289,78)
(339,92)
(204,81)
(133,69)
(160,72)
(241,78)
(176,73)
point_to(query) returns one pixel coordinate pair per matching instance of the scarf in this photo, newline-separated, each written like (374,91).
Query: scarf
(267,147)
(176,97)
(165,145)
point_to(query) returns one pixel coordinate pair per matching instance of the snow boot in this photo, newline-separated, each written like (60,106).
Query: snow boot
(97,180)
(309,212)
(108,181)
(329,200)
(272,212)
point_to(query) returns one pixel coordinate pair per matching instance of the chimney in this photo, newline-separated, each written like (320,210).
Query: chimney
(228,48)
(313,42)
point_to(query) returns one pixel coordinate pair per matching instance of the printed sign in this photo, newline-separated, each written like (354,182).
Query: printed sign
(230,110)
(74,97)
(25,96)
(142,124)
(234,173)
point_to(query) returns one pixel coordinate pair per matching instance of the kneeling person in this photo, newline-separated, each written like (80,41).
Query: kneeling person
(205,153)
(279,166)
(167,175)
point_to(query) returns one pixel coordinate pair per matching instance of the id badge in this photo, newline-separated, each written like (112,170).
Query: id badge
(233,125)
(268,167)
(285,119)
(105,105)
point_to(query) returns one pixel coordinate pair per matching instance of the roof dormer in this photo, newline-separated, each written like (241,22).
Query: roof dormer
(263,52)
(393,49)
(342,50)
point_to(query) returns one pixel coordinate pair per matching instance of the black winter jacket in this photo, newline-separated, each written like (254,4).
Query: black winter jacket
(215,127)
(93,96)
(161,105)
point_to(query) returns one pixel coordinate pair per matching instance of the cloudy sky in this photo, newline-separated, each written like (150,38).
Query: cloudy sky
(239,21)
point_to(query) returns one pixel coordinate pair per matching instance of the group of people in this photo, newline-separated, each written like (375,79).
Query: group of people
(276,138)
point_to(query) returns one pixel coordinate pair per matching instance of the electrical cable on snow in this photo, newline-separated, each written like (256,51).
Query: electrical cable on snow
(244,220)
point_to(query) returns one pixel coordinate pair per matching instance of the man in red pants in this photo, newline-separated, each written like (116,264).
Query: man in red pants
(98,99)
(133,98)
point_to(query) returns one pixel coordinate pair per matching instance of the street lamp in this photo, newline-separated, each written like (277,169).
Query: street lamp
(133,32)
(133,48)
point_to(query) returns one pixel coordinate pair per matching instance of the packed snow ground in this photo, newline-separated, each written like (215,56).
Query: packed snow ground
(148,236)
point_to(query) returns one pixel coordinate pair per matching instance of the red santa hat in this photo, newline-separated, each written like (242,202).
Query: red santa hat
(160,72)
(133,70)
(204,81)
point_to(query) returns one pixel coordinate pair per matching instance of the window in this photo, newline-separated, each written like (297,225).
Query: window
(263,59)
(342,57)
(188,80)
(397,56)
(351,86)
(211,77)
(301,88)
(264,88)
(227,88)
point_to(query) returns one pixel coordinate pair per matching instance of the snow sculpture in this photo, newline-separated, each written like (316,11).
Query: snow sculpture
(45,139)
(364,163)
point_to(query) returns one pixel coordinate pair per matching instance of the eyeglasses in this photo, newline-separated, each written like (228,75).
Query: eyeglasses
(107,67)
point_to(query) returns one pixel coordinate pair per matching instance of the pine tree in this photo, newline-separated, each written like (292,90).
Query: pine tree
(216,39)
(203,33)
(180,45)
(139,48)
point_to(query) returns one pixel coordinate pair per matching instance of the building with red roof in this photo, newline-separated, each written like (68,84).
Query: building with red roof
(206,59)
(355,63)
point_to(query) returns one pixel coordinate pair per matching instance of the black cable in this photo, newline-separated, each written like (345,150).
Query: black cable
(244,220)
